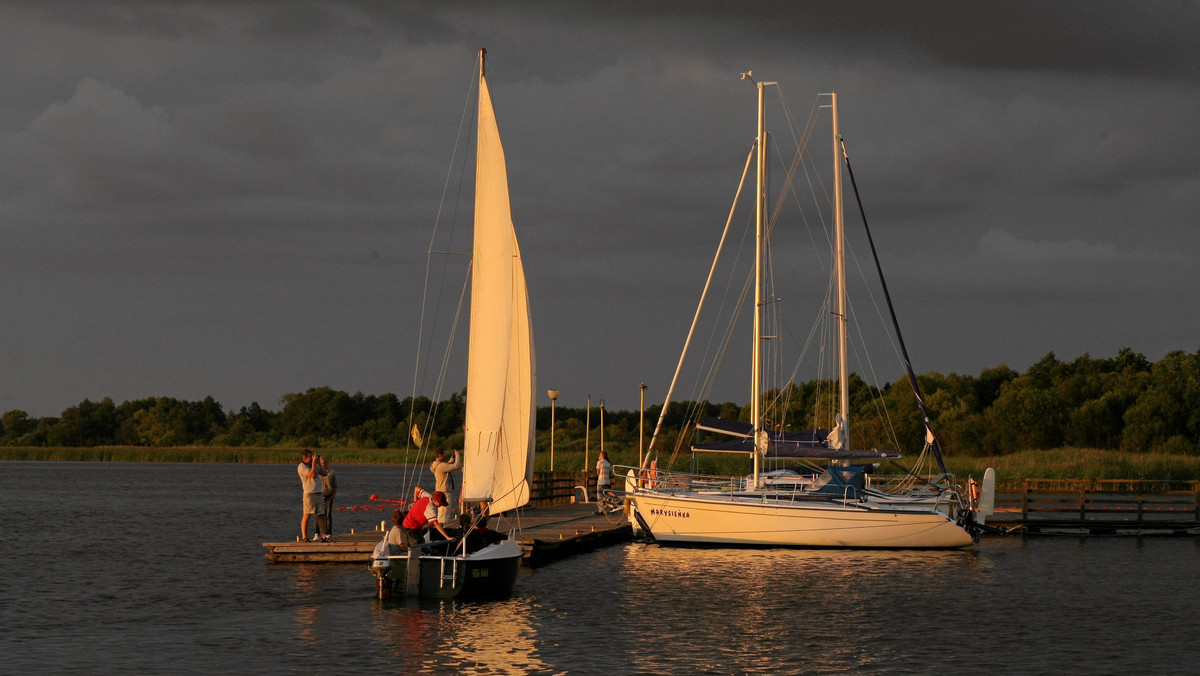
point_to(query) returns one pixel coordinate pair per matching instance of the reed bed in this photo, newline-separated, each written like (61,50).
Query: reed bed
(1082,463)
(1059,463)
(352,456)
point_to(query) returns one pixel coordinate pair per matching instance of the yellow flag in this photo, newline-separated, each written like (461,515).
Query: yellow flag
(416,436)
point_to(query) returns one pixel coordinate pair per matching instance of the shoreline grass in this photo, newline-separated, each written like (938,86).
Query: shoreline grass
(205,454)
(1081,463)
(1059,463)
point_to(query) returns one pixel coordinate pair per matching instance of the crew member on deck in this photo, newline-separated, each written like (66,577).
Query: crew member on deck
(479,535)
(443,481)
(422,515)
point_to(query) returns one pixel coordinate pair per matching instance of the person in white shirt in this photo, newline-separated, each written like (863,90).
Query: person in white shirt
(603,474)
(443,481)
(310,484)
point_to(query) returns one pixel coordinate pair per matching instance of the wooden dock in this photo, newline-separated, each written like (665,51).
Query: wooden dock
(557,528)
(547,534)
(553,533)
(1098,507)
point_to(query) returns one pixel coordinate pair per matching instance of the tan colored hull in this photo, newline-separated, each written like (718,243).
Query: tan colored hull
(743,521)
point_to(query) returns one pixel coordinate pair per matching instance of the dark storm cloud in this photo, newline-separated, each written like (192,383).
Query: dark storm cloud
(235,198)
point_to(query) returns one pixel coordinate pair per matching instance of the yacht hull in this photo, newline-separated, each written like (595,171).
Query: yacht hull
(764,521)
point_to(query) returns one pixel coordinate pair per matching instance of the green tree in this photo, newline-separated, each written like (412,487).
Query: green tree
(1167,413)
(1025,416)
(86,424)
(1097,423)
(15,424)
(320,414)
(989,384)
(162,424)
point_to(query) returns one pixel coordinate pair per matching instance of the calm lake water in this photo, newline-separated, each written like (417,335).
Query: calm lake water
(159,568)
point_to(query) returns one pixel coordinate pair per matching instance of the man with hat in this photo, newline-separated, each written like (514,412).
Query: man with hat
(422,515)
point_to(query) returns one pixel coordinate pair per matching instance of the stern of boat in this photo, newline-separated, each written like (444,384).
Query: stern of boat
(490,572)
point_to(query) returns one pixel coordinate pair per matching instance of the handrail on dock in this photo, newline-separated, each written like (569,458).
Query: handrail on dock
(1099,505)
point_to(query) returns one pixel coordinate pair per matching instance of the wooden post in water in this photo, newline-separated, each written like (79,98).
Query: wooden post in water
(1196,501)
(1025,502)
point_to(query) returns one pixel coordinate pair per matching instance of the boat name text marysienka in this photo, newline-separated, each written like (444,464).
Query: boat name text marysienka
(677,513)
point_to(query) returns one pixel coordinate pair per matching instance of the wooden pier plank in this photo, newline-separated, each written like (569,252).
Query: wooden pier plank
(547,534)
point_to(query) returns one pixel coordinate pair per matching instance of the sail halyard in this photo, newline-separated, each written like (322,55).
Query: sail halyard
(498,449)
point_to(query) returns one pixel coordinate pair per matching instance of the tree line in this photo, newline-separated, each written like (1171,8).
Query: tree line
(1124,403)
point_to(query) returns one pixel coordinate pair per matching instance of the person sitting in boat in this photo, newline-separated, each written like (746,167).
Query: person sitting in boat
(395,536)
(423,515)
(479,535)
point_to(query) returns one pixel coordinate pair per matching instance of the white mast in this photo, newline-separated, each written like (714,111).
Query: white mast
(843,420)
(756,352)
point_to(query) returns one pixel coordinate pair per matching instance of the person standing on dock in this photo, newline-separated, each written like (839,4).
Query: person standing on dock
(443,481)
(328,491)
(310,484)
(603,474)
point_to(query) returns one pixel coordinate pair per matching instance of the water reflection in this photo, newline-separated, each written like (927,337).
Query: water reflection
(311,616)
(405,635)
(467,638)
(794,607)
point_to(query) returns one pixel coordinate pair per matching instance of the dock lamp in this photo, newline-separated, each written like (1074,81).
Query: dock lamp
(553,394)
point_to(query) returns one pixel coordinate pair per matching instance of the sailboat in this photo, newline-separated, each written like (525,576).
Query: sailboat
(833,505)
(500,406)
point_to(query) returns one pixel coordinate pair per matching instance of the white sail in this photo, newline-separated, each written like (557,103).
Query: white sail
(498,451)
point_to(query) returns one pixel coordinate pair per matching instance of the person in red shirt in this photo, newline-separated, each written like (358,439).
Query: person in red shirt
(422,515)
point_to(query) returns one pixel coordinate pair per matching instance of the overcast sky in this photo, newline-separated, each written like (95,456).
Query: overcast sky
(236,198)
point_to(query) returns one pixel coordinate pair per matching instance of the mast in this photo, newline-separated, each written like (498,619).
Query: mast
(760,207)
(843,419)
(756,352)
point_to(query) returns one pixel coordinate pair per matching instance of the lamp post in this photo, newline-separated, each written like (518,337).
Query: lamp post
(553,394)
(601,425)
(587,431)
